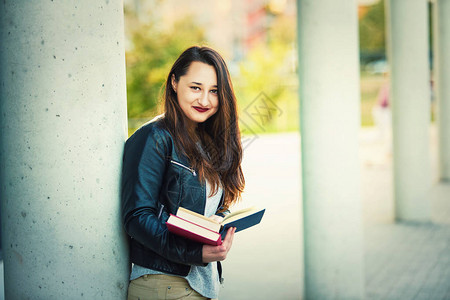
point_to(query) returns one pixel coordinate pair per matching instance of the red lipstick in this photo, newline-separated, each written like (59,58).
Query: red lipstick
(200,109)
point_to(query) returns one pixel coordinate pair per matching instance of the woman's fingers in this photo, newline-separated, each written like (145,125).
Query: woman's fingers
(218,253)
(228,241)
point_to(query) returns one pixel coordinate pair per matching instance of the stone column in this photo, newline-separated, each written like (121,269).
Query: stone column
(330,122)
(408,53)
(63,127)
(442,83)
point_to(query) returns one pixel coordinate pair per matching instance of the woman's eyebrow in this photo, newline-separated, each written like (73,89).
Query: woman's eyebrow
(198,83)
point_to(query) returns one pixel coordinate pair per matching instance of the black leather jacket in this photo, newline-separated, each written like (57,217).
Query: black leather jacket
(156,180)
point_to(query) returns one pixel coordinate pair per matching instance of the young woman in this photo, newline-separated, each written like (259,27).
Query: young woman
(190,157)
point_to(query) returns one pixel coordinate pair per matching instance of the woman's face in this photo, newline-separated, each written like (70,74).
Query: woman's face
(197,92)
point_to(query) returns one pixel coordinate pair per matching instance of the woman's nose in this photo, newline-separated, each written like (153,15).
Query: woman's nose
(203,101)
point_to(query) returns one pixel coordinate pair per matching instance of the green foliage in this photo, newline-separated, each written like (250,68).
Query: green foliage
(261,71)
(269,67)
(150,59)
(372,37)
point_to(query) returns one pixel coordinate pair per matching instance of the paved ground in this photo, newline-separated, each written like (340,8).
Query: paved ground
(402,261)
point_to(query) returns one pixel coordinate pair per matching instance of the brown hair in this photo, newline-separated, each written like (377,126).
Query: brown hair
(220,162)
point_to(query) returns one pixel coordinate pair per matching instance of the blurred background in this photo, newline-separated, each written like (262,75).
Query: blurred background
(258,40)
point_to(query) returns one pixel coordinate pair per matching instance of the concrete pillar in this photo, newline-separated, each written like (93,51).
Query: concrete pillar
(442,82)
(408,53)
(330,122)
(63,126)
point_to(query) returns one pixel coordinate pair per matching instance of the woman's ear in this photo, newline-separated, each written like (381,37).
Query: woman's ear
(174,83)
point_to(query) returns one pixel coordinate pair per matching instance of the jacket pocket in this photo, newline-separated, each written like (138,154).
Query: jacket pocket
(183,166)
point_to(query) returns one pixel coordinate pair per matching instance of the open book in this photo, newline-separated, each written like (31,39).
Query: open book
(204,230)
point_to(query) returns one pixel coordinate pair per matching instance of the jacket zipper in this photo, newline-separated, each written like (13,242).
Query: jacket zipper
(183,166)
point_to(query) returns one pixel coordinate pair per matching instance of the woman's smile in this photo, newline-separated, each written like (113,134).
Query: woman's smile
(201,109)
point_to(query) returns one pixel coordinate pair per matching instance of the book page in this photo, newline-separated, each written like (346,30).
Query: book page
(239,214)
(198,219)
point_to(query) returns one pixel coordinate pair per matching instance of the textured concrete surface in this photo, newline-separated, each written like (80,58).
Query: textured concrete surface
(63,126)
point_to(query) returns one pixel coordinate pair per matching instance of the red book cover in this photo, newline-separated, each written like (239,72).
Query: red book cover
(193,231)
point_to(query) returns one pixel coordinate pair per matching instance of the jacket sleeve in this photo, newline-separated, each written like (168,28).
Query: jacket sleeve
(143,175)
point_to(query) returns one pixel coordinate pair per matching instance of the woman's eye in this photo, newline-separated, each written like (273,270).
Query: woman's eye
(214,91)
(195,88)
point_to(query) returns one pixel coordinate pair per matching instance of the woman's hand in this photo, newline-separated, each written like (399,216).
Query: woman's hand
(218,253)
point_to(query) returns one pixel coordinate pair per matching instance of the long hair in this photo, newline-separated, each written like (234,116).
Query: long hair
(218,160)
